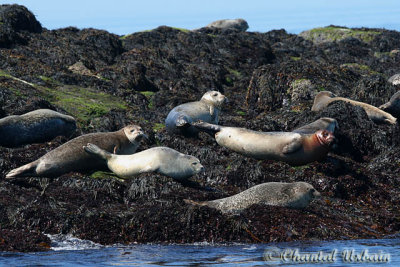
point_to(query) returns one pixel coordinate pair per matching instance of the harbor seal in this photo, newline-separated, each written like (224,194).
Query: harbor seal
(393,106)
(323,99)
(180,118)
(71,157)
(292,148)
(163,160)
(238,24)
(35,127)
(297,195)
(324,123)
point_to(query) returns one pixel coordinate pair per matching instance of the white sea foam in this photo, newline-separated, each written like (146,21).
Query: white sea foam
(68,242)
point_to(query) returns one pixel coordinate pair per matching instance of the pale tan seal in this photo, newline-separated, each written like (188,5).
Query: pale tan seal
(323,99)
(35,127)
(324,123)
(162,160)
(71,157)
(292,148)
(297,195)
(238,24)
(393,106)
(180,118)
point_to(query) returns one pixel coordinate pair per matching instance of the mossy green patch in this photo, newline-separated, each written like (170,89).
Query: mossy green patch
(334,34)
(149,95)
(362,68)
(181,29)
(83,103)
(295,58)
(158,127)
(235,73)
(5,74)
(241,113)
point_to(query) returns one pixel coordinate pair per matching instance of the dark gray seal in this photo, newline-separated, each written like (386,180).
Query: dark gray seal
(180,118)
(38,126)
(393,106)
(296,195)
(163,160)
(71,157)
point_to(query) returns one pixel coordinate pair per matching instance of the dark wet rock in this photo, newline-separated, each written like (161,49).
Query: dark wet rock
(19,18)
(14,21)
(270,79)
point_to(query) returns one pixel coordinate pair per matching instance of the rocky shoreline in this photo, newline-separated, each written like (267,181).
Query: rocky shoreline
(107,81)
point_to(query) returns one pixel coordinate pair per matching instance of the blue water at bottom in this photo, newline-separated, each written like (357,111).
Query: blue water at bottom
(69,251)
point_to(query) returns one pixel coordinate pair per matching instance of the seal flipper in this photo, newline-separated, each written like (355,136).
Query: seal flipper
(209,128)
(294,145)
(23,171)
(97,151)
(182,122)
(196,203)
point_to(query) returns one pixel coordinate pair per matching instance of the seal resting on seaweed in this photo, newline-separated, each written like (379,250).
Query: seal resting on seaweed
(297,195)
(163,160)
(37,126)
(71,157)
(323,99)
(292,148)
(180,118)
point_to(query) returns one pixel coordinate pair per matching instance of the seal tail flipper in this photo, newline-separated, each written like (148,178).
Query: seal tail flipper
(97,151)
(209,128)
(195,203)
(23,171)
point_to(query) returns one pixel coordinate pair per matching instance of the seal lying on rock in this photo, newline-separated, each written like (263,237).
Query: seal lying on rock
(163,160)
(35,127)
(292,148)
(292,195)
(324,123)
(323,99)
(238,24)
(180,118)
(71,157)
(393,106)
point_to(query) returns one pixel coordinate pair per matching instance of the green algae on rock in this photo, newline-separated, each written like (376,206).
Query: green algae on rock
(334,34)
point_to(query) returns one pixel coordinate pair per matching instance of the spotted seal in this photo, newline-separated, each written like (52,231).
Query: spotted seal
(297,195)
(35,127)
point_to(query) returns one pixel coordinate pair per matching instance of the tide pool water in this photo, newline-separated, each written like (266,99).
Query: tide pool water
(70,251)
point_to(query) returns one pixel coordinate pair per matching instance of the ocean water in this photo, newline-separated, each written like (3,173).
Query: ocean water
(70,251)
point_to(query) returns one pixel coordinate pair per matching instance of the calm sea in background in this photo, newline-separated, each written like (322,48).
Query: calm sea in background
(124,17)
(69,251)
(128,16)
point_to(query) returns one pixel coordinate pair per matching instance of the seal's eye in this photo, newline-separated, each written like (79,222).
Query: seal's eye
(312,190)
(132,130)
(215,94)
(194,163)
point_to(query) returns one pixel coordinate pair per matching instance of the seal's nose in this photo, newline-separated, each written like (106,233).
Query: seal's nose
(316,194)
